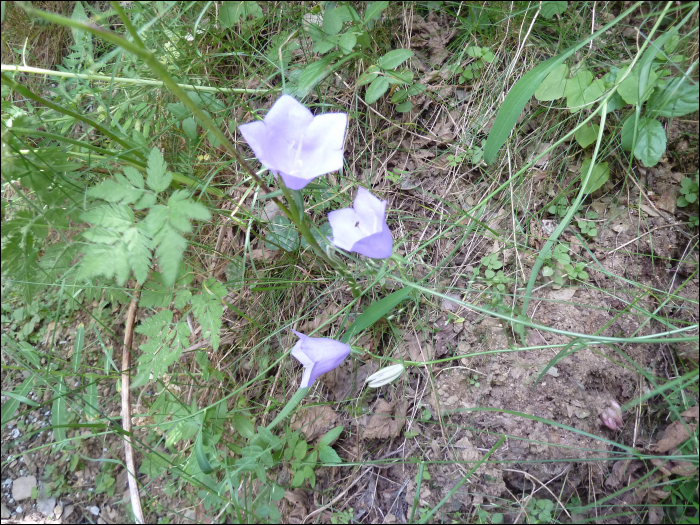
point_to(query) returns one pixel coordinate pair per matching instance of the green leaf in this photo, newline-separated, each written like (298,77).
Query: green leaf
(594,91)
(598,177)
(368,76)
(552,87)
(117,218)
(201,456)
(550,9)
(347,42)
(208,309)
(575,88)
(325,45)
(10,406)
(283,234)
(243,426)
(677,98)
(651,142)
(232,12)
(301,449)
(332,21)
(394,58)
(374,312)
(321,238)
(138,245)
(58,412)
(473,51)
(78,346)
(374,9)
(404,107)
(164,346)
(376,89)
(629,87)
(587,135)
(189,126)
(158,178)
(331,436)
(313,74)
(326,454)
(92,402)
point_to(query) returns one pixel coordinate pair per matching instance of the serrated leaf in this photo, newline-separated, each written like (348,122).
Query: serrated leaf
(376,89)
(552,87)
(208,309)
(139,247)
(551,8)
(651,142)
(598,177)
(587,135)
(394,58)
(158,177)
(115,217)
(326,454)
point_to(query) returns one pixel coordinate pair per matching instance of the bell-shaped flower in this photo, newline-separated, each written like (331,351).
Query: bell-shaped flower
(363,228)
(385,376)
(295,144)
(318,355)
(612,416)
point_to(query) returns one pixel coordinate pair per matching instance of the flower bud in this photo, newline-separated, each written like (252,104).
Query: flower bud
(385,376)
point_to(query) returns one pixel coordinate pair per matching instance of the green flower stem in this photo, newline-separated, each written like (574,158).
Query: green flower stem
(298,217)
(123,80)
(291,405)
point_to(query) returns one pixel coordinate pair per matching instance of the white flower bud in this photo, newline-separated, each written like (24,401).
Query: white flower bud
(385,376)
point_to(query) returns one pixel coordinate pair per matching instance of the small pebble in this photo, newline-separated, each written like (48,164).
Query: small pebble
(94,510)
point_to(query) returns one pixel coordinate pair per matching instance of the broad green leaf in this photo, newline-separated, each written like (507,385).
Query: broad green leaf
(552,87)
(374,312)
(474,51)
(313,74)
(78,346)
(332,21)
(325,45)
(243,426)
(301,449)
(405,107)
(347,42)
(232,12)
(10,406)
(374,9)
(283,234)
(679,97)
(651,142)
(394,58)
(326,454)
(629,87)
(376,89)
(178,109)
(58,412)
(189,126)
(368,76)
(627,133)
(330,436)
(575,87)
(158,177)
(594,91)
(321,238)
(587,135)
(671,44)
(550,9)
(598,177)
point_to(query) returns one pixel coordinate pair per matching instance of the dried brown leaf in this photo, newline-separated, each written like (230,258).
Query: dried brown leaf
(314,421)
(382,425)
(674,435)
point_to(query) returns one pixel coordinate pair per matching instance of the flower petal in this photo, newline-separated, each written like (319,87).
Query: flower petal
(345,233)
(376,246)
(370,209)
(295,182)
(318,355)
(287,117)
(322,150)
(255,134)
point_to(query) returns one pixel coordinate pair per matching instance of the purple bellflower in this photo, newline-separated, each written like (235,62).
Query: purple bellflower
(318,355)
(293,143)
(363,228)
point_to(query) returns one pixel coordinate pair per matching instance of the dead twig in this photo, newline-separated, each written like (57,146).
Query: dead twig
(126,407)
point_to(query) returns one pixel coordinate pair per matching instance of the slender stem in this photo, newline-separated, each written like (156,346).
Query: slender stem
(291,405)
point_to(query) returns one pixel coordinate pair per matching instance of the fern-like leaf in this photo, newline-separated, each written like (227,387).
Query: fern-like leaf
(208,309)
(164,346)
(158,177)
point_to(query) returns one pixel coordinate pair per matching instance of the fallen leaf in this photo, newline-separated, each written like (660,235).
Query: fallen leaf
(621,472)
(314,421)
(381,425)
(673,436)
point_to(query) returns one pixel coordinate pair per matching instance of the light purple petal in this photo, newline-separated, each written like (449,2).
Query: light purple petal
(345,233)
(287,118)
(255,134)
(295,182)
(318,355)
(370,209)
(376,246)
(322,151)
